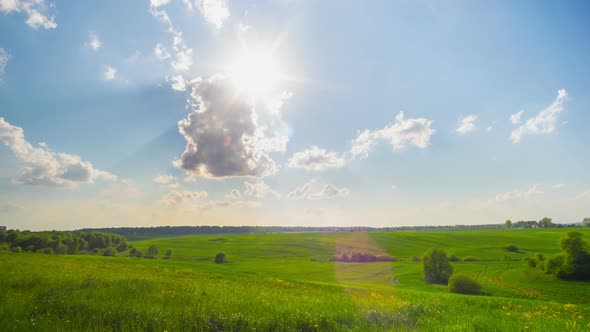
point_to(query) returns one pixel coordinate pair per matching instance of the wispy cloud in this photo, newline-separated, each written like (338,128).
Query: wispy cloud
(545,122)
(94,43)
(4,58)
(517,194)
(400,134)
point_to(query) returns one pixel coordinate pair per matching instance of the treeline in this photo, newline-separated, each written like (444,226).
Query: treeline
(543,223)
(62,242)
(185,230)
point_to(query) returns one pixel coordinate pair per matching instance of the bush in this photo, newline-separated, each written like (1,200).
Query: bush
(470,259)
(47,251)
(153,252)
(437,268)
(553,264)
(220,258)
(532,262)
(454,259)
(110,251)
(139,254)
(16,249)
(511,248)
(168,253)
(416,259)
(540,257)
(132,252)
(463,284)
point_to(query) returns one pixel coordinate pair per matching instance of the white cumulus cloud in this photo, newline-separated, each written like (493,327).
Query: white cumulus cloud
(545,122)
(226,135)
(178,197)
(316,159)
(214,11)
(259,189)
(467,124)
(45,167)
(94,43)
(314,191)
(399,134)
(164,179)
(36,11)
(109,73)
(515,118)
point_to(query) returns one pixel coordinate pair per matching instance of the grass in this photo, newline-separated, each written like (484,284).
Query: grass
(285,282)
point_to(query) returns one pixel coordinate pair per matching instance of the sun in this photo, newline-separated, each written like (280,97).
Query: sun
(255,71)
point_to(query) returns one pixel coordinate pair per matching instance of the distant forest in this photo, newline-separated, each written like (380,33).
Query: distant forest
(181,230)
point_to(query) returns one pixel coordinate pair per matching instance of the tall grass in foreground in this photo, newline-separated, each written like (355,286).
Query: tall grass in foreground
(84,293)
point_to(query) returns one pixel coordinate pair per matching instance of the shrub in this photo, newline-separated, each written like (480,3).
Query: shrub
(532,262)
(463,284)
(132,252)
(220,258)
(470,259)
(153,252)
(97,251)
(47,251)
(110,251)
(540,257)
(416,259)
(454,259)
(168,253)
(437,268)
(553,264)
(16,249)
(139,254)
(511,248)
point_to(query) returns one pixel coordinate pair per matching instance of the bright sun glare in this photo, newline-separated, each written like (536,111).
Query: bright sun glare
(255,71)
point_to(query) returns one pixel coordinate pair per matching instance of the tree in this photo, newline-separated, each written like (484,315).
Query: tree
(574,263)
(437,268)
(546,222)
(61,249)
(168,253)
(586,222)
(508,223)
(139,254)
(220,258)
(110,251)
(153,251)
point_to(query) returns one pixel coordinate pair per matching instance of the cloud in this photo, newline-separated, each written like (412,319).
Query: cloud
(164,179)
(35,10)
(161,53)
(400,134)
(177,83)
(109,73)
(491,126)
(558,186)
(583,195)
(467,124)
(517,194)
(159,3)
(259,189)
(515,118)
(316,159)
(4,58)
(326,191)
(214,11)
(543,123)
(45,167)
(94,43)
(226,136)
(183,55)
(175,197)
(234,194)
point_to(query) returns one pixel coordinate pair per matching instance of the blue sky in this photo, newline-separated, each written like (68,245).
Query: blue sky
(380,113)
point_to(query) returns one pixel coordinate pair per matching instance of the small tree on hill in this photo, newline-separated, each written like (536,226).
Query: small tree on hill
(220,258)
(437,268)
(153,251)
(508,223)
(463,284)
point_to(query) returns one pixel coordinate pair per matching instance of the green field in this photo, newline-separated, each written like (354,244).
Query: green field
(286,282)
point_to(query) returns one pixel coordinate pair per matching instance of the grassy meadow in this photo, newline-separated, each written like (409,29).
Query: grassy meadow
(287,282)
